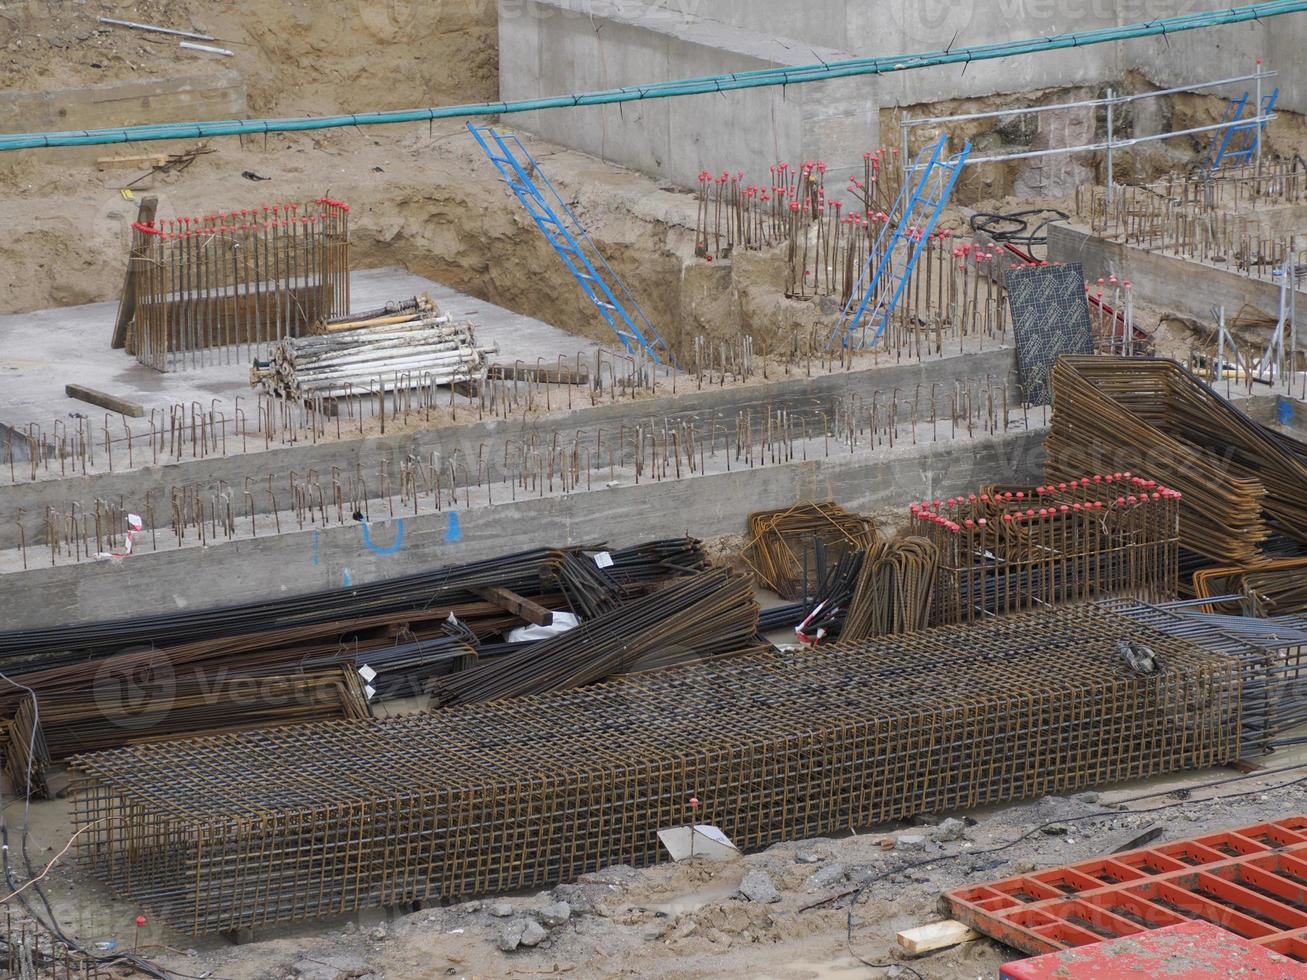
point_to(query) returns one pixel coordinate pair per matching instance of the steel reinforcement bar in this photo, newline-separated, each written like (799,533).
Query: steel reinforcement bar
(264,827)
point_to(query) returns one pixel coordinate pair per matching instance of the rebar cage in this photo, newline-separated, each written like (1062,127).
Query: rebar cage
(1007,550)
(264,827)
(247,278)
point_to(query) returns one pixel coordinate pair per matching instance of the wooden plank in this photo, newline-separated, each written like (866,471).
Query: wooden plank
(112,402)
(532,612)
(936,935)
(152,159)
(127,304)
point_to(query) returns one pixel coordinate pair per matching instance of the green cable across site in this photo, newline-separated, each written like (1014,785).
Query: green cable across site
(706,85)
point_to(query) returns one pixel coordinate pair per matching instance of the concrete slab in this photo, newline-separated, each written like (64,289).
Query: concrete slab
(48,349)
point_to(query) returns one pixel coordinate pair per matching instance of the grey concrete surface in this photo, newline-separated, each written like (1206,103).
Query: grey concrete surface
(712,503)
(554,47)
(1166,282)
(48,349)
(27,501)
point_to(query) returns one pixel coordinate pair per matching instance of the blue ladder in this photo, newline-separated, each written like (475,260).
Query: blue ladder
(1241,150)
(913,220)
(570,240)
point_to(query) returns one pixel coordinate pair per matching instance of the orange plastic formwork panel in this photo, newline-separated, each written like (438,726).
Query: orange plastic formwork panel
(1188,951)
(1251,882)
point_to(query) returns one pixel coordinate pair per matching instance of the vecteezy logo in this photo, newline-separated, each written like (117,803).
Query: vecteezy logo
(931,23)
(135,689)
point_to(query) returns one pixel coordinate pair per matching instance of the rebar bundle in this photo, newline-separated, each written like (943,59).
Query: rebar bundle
(895,590)
(1005,550)
(1152,416)
(420,350)
(30,950)
(1268,589)
(240,278)
(786,546)
(244,830)
(711,614)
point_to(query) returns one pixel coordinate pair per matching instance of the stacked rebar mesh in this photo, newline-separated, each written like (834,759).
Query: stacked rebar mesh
(237,280)
(1009,550)
(414,349)
(1239,480)
(264,827)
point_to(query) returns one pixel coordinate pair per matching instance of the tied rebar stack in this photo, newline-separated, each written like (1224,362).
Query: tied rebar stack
(1010,550)
(1240,480)
(265,827)
(209,286)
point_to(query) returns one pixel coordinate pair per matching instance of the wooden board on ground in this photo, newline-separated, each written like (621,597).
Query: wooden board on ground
(936,935)
(112,402)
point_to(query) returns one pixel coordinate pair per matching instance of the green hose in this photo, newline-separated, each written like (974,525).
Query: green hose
(705,85)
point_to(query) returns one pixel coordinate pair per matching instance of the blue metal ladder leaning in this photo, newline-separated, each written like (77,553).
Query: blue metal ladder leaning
(569,239)
(1230,150)
(914,215)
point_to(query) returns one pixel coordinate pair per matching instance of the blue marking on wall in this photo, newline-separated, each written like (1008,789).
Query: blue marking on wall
(345,580)
(393,549)
(316,546)
(453,533)
(1285,409)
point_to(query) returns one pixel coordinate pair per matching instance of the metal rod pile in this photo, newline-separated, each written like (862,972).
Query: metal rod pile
(244,830)
(1006,550)
(241,278)
(400,352)
(1152,416)
(894,592)
(30,950)
(1268,589)
(786,548)
(711,614)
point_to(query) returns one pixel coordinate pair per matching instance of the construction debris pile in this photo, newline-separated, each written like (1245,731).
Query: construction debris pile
(236,279)
(1007,550)
(521,793)
(398,348)
(330,655)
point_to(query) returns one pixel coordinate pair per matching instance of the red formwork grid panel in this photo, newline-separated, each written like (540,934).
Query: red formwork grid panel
(1251,881)
(1189,951)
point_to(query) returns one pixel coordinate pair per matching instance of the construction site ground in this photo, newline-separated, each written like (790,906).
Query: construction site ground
(839,900)
(424,201)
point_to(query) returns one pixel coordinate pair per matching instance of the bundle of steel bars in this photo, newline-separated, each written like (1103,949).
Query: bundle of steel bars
(244,830)
(1152,416)
(788,548)
(712,614)
(895,590)
(237,279)
(420,351)
(1006,550)
(1266,589)
(29,949)
(1271,655)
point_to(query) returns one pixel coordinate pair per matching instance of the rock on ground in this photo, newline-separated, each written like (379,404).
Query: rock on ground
(520,932)
(757,886)
(554,914)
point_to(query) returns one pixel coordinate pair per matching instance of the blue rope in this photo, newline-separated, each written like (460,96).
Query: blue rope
(705,85)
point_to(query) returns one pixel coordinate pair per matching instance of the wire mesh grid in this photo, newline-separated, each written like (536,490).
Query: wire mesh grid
(264,827)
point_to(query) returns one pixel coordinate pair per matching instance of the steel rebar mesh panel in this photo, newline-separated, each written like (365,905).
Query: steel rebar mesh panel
(264,827)
(1006,550)
(239,279)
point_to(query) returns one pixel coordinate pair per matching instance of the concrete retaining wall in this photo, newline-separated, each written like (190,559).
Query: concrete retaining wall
(1166,281)
(131,487)
(305,561)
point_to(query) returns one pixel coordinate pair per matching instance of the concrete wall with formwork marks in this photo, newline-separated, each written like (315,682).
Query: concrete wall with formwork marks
(714,502)
(556,47)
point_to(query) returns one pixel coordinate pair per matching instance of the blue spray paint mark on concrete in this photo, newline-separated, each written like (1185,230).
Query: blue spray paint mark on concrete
(453,533)
(1285,409)
(345,580)
(316,546)
(392,549)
